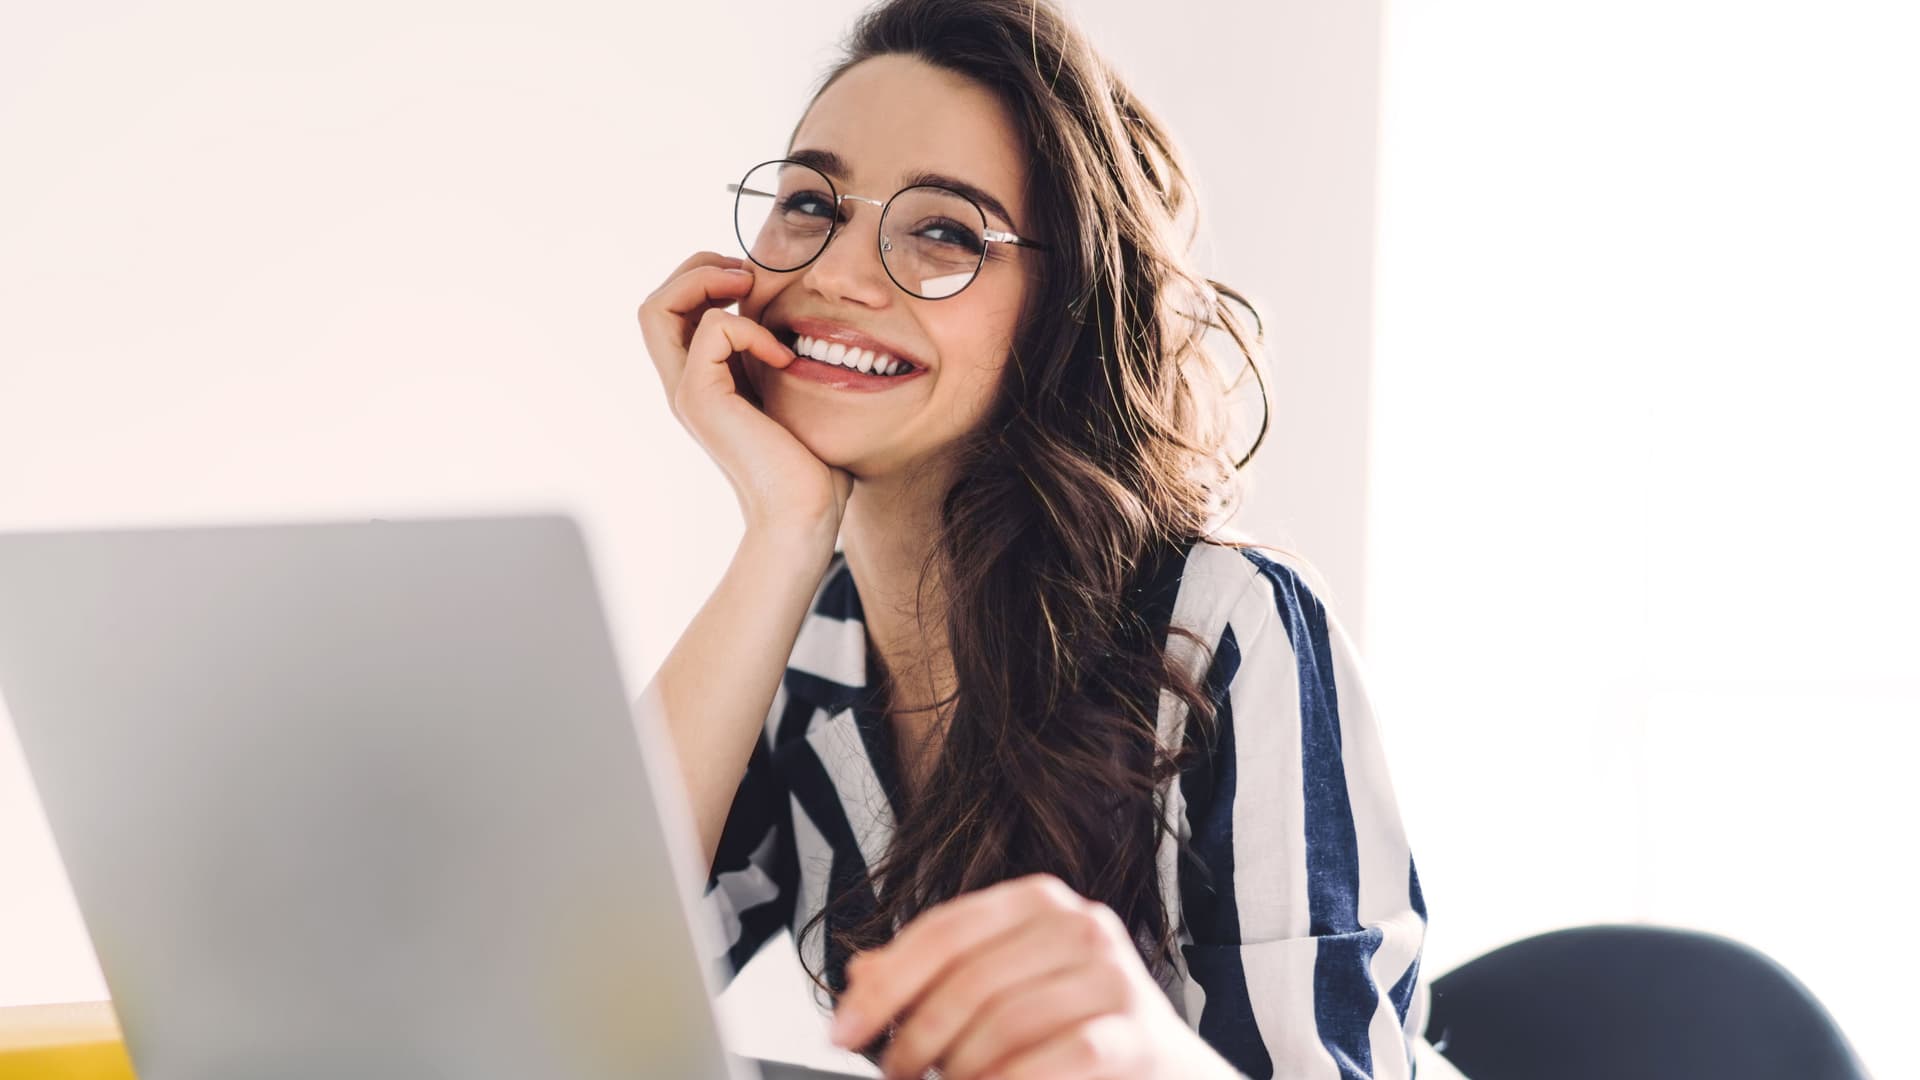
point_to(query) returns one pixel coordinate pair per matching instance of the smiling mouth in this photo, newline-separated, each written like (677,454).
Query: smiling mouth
(871,363)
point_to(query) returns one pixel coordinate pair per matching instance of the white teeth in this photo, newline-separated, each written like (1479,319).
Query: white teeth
(855,359)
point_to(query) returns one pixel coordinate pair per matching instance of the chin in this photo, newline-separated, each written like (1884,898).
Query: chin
(827,437)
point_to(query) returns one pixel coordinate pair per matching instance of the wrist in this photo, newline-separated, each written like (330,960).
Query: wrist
(799,543)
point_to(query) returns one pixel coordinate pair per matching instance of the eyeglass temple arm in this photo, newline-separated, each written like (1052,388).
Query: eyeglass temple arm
(999,237)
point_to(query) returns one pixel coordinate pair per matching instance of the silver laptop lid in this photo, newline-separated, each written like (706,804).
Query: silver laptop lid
(357,799)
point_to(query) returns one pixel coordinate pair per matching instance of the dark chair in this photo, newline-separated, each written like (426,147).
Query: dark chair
(1633,1003)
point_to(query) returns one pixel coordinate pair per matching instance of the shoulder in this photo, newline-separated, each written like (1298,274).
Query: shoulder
(1235,589)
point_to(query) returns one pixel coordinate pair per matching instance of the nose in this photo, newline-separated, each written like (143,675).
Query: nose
(850,269)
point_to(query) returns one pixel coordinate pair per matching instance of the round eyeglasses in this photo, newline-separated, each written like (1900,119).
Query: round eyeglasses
(933,240)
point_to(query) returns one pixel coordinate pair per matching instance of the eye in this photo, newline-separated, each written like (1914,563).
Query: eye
(809,204)
(948,233)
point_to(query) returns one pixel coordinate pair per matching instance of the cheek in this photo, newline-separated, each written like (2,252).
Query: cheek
(974,348)
(968,387)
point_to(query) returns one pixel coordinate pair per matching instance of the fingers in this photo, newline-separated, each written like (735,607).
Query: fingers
(671,298)
(1101,1048)
(741,384)
(705,286)
(720,335)
(706,258)
(1032,1015)
(1049,944)
(669,315)
(890,979)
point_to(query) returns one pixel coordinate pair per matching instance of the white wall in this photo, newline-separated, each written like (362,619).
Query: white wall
(384,257)
(1643,583)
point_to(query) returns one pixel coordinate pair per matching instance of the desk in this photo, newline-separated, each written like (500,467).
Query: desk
(81,1041)
(78,1041)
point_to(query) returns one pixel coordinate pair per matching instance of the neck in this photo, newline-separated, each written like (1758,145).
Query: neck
(888,534)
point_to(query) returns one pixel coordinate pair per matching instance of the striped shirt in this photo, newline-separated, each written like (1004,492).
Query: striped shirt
(1299,948)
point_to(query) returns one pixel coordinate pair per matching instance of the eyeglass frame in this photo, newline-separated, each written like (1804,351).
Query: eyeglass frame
(988,234)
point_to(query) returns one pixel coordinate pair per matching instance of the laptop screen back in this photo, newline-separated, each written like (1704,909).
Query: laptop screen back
(356,799)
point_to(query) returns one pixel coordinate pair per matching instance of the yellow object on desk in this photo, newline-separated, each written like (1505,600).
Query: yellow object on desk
(76,1041)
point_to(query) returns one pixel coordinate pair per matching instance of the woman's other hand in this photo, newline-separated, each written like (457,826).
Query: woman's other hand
(1022,980)
(694,343)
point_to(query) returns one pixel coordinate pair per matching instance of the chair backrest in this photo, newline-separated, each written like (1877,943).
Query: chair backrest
(1609,1002)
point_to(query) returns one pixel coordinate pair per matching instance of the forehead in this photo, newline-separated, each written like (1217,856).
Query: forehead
(892,117)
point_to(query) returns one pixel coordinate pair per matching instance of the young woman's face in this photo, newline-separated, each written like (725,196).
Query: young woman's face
(890,119)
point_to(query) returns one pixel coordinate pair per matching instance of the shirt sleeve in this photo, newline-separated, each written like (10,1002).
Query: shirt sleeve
(1299,892)
(754,878)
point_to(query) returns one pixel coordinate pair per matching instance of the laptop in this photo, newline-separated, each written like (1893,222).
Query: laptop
(362,798)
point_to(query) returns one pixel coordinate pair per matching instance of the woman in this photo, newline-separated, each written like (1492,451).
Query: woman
(1048,778)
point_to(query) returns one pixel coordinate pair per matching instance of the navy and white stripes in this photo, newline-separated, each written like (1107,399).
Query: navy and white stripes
(1298,908)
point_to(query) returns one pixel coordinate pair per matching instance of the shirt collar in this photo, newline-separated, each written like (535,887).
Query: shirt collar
(828,666)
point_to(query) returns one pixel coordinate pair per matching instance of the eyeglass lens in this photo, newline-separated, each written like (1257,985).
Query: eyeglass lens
(930,238)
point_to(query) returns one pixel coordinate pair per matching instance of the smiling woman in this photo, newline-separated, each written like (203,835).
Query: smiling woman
(1048,774)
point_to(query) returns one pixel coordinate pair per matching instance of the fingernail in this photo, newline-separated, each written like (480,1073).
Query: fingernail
(741,270)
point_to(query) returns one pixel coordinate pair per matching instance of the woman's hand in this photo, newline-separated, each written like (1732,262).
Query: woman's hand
(1022,980)
(693,342)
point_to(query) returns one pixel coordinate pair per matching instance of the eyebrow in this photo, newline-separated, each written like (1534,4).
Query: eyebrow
(836,166)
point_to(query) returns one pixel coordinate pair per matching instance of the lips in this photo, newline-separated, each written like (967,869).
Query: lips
(841,334)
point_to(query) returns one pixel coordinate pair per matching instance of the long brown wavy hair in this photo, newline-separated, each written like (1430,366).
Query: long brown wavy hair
(1105,448)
